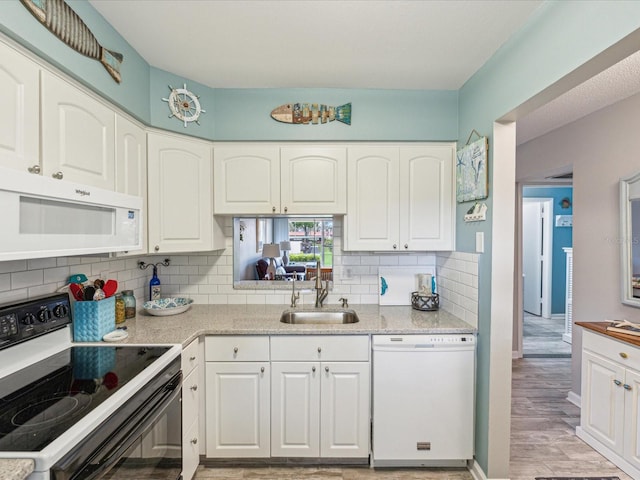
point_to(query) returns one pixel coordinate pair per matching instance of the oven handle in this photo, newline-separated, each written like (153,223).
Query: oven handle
(111,450)
(123,443)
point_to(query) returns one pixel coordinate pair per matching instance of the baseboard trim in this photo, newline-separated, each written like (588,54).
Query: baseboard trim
(557,316)
(476,472)
(575,399)
(516,354)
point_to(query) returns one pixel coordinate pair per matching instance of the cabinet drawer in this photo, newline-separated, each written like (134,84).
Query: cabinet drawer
(190,358)
(320,347)
(241,348)
(190,452)
(612,349)
(190,395)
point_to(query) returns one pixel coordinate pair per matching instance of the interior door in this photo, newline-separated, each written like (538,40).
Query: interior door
(532,256)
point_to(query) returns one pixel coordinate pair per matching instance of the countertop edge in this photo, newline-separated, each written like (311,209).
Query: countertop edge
(601,328)
(16,468)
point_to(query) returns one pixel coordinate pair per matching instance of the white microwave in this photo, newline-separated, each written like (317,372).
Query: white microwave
(43,217)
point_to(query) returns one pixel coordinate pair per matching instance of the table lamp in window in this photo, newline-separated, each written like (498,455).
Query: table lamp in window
(270,251)
(285,246)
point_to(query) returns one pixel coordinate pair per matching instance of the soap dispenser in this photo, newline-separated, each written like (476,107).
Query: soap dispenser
(154,285)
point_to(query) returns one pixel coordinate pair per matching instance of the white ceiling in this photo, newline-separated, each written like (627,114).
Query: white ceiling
(386,44)
(391,44)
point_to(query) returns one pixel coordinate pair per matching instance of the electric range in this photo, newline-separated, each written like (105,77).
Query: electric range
(73,408)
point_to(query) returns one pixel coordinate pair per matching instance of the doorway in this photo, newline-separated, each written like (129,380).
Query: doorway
(545,230)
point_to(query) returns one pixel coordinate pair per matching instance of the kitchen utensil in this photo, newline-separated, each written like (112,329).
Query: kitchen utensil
(89,292)
(110,287)
(77,291)
(98,283)
(99,294)
(78,278)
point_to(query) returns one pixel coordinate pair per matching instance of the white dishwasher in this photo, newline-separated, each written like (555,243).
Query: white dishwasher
(423,400)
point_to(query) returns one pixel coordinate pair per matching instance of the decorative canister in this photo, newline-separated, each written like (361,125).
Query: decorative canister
(129,304)
(119,309)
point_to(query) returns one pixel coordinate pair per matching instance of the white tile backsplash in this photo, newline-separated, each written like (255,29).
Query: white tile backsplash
(208,277)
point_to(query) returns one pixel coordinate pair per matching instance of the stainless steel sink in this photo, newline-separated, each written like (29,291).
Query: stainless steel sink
(320,317)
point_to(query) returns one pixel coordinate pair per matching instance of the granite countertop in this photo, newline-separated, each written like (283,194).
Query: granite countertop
(265,320)
(16,469)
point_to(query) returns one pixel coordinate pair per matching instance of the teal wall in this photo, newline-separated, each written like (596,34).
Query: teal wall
(562,237)
(558,38)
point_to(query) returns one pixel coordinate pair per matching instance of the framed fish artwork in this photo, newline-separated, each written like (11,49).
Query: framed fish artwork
(60,19)
(311,113)
(471,171)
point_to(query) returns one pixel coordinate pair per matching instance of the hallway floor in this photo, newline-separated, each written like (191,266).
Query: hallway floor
(542,337)
(543,441)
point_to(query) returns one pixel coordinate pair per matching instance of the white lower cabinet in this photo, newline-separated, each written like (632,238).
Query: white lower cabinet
(237,397)
(305,396)
(191,393)
(610,407)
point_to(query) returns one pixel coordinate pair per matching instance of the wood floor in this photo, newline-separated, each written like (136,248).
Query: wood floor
(543,441)
(542,337)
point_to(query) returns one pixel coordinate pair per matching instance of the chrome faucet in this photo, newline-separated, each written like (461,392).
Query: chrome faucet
(321,293)
(294,296)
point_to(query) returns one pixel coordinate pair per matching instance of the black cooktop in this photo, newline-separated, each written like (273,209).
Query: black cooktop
(42,401)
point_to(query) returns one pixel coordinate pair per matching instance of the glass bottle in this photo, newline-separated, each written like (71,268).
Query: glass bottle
(129,304)
(119,309)
(154,285)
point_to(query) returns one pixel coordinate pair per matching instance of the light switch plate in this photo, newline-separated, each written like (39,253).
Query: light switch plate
(479,242)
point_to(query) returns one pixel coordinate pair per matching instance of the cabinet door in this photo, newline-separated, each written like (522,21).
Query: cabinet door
(313,180)
(295,409)
(237,409)
(131,168)
(20,120)
(632,418)
(344,401)
(180,199)
(427,207)
(372,214)
(77,135)
(246,180)
(602,413)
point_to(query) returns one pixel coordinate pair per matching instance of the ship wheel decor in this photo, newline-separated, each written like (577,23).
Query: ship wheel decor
(184,105)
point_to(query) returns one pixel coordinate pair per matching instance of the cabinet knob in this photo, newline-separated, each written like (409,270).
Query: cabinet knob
(624,355)
(58,175)
(395,246)
(273,209)
(35,169)
(261,369)
(326,369)
(319,349)
(617,382)
(626,387)
(194,387)
(406,246)
(313,369)
(156,248)
(286,209)
(194,440)
(235,349)
(191,359)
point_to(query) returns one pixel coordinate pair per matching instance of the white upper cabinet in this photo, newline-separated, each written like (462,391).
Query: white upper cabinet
(180,196)
(271,179)
(313,180)
(20,122)
(401,198)
(131,166)
(78,136)
(246,179)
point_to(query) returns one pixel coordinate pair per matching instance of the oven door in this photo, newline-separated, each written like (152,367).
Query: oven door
(143,440)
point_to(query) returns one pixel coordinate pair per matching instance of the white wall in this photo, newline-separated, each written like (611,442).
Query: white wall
(208,277)
(602,148)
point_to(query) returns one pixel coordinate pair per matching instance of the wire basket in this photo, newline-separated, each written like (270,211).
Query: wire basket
(425,303)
